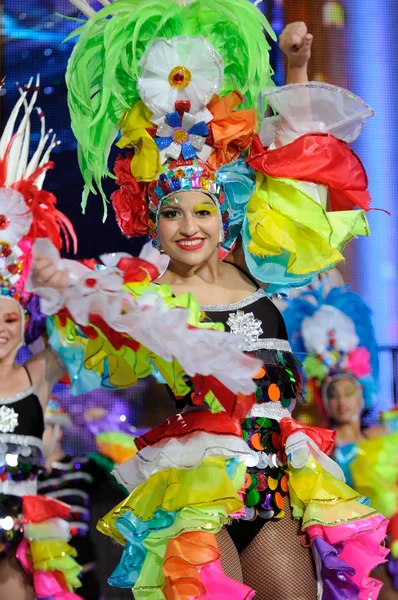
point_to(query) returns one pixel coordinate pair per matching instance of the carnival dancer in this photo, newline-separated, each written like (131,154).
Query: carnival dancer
(334,335)
(73,480)
(166,76)
(34,532)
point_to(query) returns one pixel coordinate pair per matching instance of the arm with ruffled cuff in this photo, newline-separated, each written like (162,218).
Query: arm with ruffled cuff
(111,328)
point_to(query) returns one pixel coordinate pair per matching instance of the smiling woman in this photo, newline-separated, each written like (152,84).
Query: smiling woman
(189,222)
(208,177)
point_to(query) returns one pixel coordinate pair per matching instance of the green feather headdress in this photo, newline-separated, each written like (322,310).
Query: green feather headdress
(104,66)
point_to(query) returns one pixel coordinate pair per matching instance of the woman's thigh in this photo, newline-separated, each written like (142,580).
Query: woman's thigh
(276,564)
(229,556)
(15,584)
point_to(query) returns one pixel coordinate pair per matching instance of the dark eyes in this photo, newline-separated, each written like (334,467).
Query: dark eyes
(172,214)
(169,214)
(11,319)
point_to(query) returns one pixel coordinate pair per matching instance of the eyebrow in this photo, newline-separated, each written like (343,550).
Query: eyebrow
(170,204)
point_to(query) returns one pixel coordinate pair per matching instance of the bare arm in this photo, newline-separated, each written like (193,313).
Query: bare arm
(45,369)
(295,42)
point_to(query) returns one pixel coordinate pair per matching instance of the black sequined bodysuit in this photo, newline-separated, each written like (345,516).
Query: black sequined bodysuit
(260,323)
(21,459)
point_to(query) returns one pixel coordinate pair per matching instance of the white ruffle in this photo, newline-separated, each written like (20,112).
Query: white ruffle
(313,107)
(52,529)
(184,453)
(147,319)
(299,448)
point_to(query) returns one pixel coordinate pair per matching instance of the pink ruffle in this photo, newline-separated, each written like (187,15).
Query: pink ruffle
(46,585)
(361,547)
(220,587)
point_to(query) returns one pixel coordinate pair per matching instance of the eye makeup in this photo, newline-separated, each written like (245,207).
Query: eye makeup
(206,206)
(12,318)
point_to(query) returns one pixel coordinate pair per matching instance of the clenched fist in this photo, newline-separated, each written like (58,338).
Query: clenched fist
(296,42)
(46,274)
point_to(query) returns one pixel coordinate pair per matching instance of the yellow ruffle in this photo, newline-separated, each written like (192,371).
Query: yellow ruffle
(174,490)
(318,497)
(56,555)
(145,165)
(289,215)
(124,365)
(374,472)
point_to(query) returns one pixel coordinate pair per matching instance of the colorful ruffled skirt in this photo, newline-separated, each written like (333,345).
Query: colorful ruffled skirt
(372,467)
(199,470)
(35,527)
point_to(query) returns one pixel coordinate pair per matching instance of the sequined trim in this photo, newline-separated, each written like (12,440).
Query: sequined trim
(79,509)
(78,525)
(19,488)
(267,344)
(315,85)
(65,466)
(20,440)
(68,492)
(270,410)
(260,293)
(195,408)
(18,396)
(66,477)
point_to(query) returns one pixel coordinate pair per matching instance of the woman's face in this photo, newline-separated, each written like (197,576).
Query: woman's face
(344,401)
(10,328)
(189,227)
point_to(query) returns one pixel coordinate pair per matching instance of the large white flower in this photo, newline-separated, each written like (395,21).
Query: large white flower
(183,68)
(15,216)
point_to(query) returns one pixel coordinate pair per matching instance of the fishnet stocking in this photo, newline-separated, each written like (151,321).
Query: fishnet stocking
(275,563)
(229,556)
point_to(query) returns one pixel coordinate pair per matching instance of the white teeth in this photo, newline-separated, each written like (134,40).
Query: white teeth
(190,242)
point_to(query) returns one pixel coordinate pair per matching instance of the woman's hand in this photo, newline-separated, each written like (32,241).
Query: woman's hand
(296,42)
(45,274)
(96,413)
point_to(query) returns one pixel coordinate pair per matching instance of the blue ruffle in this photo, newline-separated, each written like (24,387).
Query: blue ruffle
(238,183)
(134,553)
(82,380)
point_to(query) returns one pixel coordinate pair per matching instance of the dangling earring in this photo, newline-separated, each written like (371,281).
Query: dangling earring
(161,250)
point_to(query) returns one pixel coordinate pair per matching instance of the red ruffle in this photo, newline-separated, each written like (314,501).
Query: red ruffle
(137,270)
(318,158)
(129,201)
(36,509)
(324,438)
(236,405)
(187,423)
(393,528)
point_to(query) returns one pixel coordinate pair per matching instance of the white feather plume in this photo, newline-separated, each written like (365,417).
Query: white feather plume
(315,331)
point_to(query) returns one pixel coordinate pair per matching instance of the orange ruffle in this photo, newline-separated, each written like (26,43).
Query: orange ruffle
(184,556)
(231,130)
